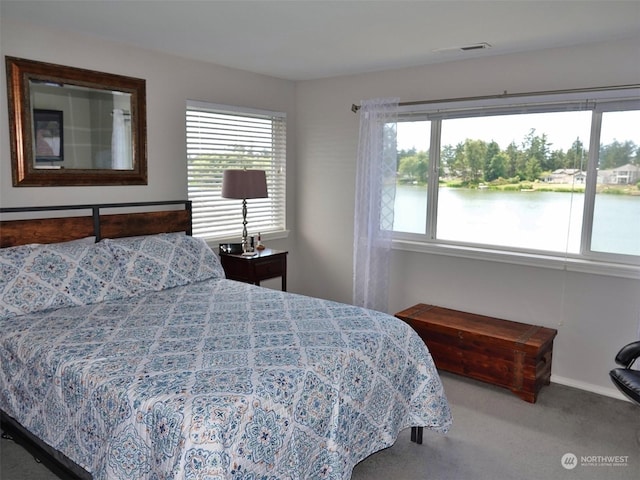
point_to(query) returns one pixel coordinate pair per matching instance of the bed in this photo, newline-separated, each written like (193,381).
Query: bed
(125,353)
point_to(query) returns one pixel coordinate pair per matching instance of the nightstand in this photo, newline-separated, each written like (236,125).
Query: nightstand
(263,265)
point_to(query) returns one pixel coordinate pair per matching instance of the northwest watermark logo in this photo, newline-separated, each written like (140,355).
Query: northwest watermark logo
(571,461)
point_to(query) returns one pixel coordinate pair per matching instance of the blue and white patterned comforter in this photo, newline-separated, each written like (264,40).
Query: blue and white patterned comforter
(217,380)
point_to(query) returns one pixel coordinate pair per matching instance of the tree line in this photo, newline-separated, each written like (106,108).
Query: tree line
(476,161)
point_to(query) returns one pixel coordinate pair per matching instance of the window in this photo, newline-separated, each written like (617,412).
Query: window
(616,217)
(531,176)
(221,137)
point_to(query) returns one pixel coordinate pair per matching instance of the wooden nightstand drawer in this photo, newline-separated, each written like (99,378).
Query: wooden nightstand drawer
(262,266)
(270,268)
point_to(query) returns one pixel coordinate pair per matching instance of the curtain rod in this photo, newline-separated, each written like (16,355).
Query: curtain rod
(355,108)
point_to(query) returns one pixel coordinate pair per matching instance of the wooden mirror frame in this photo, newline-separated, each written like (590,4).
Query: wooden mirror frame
(19,74)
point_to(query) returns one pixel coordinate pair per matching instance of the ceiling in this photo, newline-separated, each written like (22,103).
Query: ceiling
(310,39)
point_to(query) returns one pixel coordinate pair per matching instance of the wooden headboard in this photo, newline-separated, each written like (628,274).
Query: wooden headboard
(101,225)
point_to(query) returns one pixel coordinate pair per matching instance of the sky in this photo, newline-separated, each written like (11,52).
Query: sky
(562,129)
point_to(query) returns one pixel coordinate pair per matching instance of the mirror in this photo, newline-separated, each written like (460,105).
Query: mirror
(70,126)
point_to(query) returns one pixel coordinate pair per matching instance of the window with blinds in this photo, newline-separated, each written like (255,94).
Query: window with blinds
(221,137)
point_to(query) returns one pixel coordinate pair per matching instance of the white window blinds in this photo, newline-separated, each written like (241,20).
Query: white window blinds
(220,137)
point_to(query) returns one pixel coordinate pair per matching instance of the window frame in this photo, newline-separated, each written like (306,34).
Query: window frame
(587,260)
(229,211)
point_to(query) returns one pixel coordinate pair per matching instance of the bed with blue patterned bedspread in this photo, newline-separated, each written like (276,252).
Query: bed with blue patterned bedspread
(207,378)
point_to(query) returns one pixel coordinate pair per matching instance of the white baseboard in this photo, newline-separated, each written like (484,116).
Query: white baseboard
(589,387)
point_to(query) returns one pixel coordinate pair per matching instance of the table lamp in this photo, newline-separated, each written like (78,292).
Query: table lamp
(242,185)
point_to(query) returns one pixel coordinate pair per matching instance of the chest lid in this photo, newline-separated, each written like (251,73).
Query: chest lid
(507,333)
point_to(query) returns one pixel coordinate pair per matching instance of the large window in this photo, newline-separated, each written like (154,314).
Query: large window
(544,177)
(221,137)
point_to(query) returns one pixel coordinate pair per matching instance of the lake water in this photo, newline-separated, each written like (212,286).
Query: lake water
(550,221)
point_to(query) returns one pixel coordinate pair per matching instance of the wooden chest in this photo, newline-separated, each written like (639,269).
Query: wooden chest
(501,352)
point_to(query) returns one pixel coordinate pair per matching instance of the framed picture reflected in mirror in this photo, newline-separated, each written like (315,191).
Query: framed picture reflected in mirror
(49,144)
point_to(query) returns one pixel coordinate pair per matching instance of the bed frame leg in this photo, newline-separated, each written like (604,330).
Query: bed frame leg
(416,435)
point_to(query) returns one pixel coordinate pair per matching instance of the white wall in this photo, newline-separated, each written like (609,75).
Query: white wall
(595,315)
(170,81)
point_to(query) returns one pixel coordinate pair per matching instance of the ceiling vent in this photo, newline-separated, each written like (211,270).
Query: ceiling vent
(476,46)
(464,48)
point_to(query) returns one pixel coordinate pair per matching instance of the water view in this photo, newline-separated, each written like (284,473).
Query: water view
(550,221)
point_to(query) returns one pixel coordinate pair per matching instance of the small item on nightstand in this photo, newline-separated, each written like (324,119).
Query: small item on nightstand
(252,244)
(260,246)
(230,248)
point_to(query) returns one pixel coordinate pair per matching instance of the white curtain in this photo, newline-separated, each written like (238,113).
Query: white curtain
(119,152)
(375,197)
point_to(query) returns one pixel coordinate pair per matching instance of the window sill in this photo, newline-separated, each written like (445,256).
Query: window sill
(521,258)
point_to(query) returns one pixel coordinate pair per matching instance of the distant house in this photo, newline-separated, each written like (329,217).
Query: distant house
(604,177)
(624,175)
(566,175)
(580,177)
